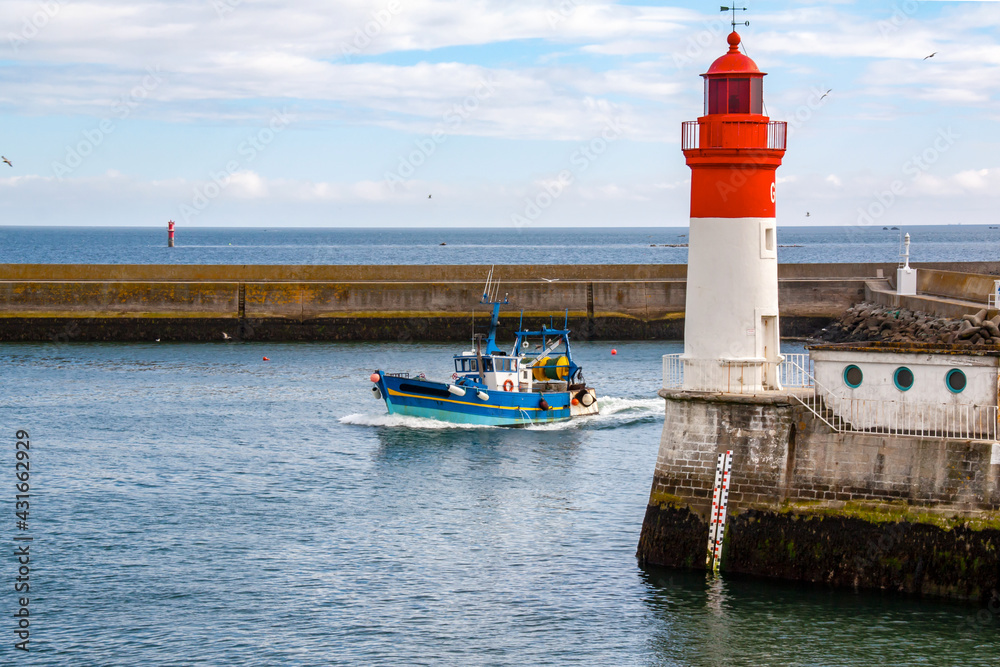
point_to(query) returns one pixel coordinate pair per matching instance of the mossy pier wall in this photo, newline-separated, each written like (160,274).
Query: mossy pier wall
(910,514)
(198,302)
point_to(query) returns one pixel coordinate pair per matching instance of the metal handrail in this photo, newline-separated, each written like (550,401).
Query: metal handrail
(928,420)
(796,370)
(733,134)
(739,377)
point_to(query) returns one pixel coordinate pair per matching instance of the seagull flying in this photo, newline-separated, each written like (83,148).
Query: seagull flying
(807,214)
(6,160)
(550,280)
(829,90)
(930,56)
(225,336)
(429,196)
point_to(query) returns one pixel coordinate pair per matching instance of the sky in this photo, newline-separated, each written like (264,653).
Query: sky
(481,113)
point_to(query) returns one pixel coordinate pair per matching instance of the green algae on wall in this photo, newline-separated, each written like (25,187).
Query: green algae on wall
(865,548)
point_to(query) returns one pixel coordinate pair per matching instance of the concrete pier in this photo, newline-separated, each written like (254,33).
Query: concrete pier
(863,510)
(197,302)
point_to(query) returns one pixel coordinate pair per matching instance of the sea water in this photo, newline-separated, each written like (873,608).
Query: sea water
(192,504)
(653,245)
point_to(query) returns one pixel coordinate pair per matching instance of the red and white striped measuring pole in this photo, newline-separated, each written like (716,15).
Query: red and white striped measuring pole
(720,499)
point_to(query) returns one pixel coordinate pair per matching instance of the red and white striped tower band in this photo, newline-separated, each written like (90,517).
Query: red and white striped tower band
(170,233)
(731,312)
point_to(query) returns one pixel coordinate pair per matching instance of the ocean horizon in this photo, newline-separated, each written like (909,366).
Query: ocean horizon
(447,245)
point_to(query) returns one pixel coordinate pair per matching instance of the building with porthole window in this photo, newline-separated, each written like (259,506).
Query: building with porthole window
(910,387)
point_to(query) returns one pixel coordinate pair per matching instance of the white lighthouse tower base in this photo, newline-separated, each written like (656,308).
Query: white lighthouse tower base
(731,341)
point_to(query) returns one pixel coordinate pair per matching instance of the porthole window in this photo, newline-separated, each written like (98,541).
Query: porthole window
(903,378)
(956,381)
(853,376)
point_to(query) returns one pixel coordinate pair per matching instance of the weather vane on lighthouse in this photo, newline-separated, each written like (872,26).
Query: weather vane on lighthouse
(734,9)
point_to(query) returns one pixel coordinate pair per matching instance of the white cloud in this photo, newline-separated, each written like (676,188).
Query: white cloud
(552,78)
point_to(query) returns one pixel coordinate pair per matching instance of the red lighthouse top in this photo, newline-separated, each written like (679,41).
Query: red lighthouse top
(733,149)
(733,84)
(733,62)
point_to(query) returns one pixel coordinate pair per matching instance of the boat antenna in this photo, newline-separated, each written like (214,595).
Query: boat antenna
(486,289)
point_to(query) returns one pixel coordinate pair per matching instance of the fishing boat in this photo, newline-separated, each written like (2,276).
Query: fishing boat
(535,382)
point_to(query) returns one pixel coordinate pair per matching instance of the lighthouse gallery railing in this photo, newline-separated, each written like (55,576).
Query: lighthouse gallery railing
(740,377)
(746,134)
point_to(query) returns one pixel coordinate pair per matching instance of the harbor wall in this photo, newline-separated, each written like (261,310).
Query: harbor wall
(199,302)
(942,293)
(910,514)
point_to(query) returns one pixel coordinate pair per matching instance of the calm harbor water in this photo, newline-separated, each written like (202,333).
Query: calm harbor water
(194,505)
(147,245)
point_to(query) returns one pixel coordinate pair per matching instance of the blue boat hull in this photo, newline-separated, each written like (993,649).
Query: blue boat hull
(421,398)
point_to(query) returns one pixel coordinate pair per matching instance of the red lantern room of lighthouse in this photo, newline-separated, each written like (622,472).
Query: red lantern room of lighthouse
(731,340)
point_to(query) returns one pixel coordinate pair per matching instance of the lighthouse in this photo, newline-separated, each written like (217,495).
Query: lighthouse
(731,341)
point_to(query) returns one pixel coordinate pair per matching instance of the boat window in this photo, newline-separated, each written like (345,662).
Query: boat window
(487,365)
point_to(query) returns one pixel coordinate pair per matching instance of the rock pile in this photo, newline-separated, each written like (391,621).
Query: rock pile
(871,322)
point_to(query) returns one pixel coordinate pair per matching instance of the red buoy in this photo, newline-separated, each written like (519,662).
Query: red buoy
(374,377)
(266,359)
(614,351)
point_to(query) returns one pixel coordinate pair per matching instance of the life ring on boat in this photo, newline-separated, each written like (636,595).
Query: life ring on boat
(508,385)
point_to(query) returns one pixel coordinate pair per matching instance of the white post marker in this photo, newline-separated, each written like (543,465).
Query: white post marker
(720,500)
(906,278)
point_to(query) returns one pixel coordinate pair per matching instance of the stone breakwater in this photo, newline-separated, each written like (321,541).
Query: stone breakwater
(869,322)
(126,302)
(913,514)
